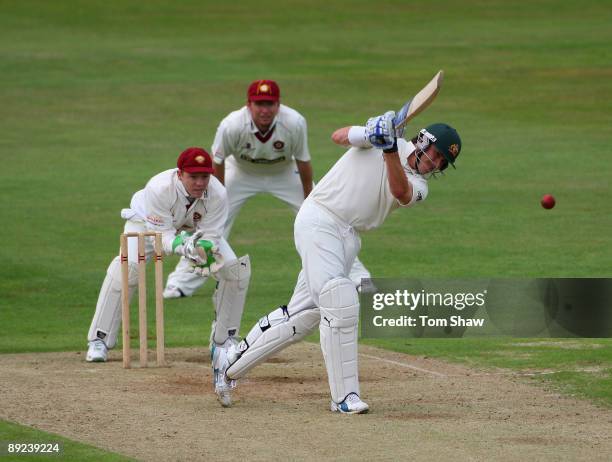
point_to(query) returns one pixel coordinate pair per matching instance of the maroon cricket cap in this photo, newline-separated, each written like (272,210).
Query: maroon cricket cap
(195,160)
(263,90)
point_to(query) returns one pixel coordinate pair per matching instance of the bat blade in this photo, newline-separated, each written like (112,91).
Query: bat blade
(419,102)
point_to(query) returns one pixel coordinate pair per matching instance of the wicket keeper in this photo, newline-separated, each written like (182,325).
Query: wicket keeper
(189,207)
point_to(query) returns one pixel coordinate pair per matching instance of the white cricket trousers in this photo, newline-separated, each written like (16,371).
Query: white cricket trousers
(328,248)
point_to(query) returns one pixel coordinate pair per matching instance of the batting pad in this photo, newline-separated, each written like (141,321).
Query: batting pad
(339,304)
(106,320)
(272,333)
(229,297)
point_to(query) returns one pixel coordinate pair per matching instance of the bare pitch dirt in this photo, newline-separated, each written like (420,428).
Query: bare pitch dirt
(421,409)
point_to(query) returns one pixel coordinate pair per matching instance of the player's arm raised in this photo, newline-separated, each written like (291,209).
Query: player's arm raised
(380,132)
(398,183)
(351,136)
(340,136)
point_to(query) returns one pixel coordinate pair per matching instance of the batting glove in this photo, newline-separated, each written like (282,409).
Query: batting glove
(380,130)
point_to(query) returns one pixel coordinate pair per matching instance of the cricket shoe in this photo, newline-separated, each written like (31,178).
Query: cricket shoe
(172,292)
(220,363)
(96,352)
(352,404)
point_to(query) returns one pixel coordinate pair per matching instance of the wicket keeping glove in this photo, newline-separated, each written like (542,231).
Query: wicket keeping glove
(211,260)
(202,253)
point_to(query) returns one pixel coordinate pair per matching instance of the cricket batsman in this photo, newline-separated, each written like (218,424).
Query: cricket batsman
(189,207)
(380,173)
(260,148)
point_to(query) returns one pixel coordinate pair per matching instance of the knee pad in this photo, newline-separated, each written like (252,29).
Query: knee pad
(339,303)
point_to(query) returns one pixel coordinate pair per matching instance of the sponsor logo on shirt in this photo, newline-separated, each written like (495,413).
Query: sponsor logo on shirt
(262,161)
(279,145)
(155,220)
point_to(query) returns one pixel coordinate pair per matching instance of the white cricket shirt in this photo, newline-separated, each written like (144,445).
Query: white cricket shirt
(166,207)
(238,136)
(357,191)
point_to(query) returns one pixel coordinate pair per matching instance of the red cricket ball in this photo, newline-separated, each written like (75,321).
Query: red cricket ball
(548,201)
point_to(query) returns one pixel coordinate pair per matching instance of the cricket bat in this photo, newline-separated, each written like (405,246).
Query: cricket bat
(419,102)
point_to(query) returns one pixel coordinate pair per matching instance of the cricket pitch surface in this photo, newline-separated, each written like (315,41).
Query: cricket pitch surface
(420,409)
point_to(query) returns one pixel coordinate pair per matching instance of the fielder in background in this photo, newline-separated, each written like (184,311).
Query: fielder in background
(381,172)
(261,148)
(189,207)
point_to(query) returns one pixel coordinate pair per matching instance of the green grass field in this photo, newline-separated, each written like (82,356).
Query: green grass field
(96,97)
(579,367)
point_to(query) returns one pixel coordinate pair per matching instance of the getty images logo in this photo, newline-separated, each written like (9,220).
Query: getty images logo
(413,300)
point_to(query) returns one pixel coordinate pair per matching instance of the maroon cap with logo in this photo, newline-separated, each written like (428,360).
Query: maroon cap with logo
(263,90)
(195,160)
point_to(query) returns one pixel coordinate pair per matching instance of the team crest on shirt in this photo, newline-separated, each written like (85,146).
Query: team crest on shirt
(279,145)
(419,196)
(197,216)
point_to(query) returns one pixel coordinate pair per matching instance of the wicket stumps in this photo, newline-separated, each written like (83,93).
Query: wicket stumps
(142,298)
